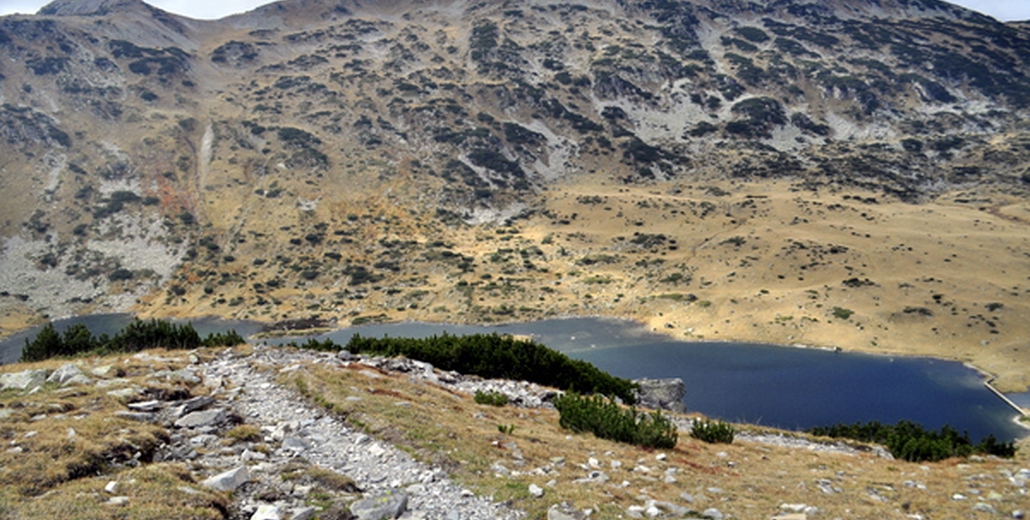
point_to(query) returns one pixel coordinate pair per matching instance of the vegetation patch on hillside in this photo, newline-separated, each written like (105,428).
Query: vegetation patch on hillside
(912,442)
(493,356)
(135,337)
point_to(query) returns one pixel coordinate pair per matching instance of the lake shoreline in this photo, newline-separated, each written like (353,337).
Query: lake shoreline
(612,334)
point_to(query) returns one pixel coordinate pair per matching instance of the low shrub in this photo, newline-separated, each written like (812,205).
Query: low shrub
(138,335)
(606,419)
(712,432)
(910,441)
(491,398)
(842,313)
(495,356)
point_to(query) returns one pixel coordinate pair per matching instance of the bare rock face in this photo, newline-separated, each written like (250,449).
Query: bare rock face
(664,394)
(87,7)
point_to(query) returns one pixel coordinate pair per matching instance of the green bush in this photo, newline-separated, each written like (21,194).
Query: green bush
(499,357)
(842,313)
(712,432)
(491,398)
(910,441)
(138,335)
(607,420)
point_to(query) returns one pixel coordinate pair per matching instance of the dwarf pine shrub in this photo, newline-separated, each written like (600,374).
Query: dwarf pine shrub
(606,419)
(491,398)
(712,432)
(136,336)
(914,443)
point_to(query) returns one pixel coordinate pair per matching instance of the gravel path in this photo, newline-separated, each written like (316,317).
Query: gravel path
(376,467)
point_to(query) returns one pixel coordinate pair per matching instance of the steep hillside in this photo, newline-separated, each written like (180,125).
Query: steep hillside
(721,169)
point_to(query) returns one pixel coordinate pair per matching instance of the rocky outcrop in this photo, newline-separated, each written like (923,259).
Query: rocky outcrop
(25,380)
(662,394)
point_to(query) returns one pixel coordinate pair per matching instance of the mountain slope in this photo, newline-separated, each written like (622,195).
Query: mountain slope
(463,161)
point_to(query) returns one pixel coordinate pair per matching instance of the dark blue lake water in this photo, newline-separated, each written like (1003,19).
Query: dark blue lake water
(769,385)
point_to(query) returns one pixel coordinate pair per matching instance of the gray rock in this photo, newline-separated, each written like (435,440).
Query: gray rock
(672,509)
(664,394)
(295,444)
(145,406)
(118,501)
(146,417)
(266,512)
(80,379)
(304,513)
(1018,515)
(345,355)
(228,481)
(66,373)
(203,418)
(713,513)
(985,508)
(194,404)
(24,380)
(381,507)
(556,513)
(186,375)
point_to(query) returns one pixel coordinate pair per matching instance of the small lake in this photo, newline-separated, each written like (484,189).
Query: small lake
(788,388)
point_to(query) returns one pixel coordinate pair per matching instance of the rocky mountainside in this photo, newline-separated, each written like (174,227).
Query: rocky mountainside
(344,158)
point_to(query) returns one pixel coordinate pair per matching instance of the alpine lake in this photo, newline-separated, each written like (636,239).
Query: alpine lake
(783,387)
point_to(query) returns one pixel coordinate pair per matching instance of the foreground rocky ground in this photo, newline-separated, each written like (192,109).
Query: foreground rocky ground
(263,434)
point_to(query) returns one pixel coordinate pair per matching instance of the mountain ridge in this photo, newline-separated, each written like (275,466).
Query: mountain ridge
(457,161)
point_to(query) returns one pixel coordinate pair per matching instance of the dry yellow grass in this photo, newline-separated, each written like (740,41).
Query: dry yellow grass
(767,261)
(746,479)
(63,445)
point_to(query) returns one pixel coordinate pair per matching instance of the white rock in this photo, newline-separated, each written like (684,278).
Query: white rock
(536,491)
(111,488)
(266,512)
(68,374)
(146,406)
(118,501)
(713,513)
(24,380)
(228,481)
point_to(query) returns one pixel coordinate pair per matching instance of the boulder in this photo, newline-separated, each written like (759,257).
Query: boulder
(194,404)
(384,506)
(24,380)
(68,374)
(228,481)
(202,419)
(662,394)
